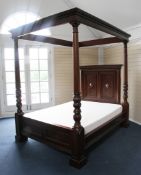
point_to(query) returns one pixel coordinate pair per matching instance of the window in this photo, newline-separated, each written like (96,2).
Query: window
(39,76)
(35,77)
(34,69)
(10,76)
(21,18)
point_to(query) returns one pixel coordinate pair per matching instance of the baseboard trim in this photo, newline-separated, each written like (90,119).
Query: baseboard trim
(135,121)
(4,117)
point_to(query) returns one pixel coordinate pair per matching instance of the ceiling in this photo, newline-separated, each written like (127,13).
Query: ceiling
(121,13)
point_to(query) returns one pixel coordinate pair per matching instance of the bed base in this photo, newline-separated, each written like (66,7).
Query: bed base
(65,139)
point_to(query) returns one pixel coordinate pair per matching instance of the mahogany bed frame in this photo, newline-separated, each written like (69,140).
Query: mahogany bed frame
(72,141)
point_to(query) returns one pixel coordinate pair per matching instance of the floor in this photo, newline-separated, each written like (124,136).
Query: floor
(118,154)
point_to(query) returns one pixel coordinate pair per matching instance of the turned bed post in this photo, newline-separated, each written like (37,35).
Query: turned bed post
(19,114)
(78,159)
(125,88)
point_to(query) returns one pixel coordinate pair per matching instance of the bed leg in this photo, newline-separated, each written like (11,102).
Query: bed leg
(20,138)
(78,162)
(125,123)
(18,122)
(78,158)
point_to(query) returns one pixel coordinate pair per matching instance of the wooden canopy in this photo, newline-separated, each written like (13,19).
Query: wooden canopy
(71,16)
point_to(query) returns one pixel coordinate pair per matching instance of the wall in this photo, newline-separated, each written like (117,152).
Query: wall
(114,55)
(63,70)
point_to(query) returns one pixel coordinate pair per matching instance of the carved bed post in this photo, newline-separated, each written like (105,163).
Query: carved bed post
(78,159)
(125,88)
(18,115)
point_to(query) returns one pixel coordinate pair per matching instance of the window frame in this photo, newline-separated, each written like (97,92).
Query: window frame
(28,107)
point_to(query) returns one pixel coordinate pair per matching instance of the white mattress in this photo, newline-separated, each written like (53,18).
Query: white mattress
(93,114)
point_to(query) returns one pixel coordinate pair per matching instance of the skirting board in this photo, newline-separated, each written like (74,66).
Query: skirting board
(135,121)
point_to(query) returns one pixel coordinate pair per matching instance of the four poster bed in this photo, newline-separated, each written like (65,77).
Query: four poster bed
(61,126)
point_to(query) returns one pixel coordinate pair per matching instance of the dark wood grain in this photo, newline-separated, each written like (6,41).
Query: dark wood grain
(68,16)
(19,113)
(17,79)
(101,83)
(100,41)
(45,39)
(95,135)
(77,147)
(76,79)
(125,87)
(58,137)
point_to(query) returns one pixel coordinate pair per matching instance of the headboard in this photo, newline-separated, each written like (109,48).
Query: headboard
(101,83)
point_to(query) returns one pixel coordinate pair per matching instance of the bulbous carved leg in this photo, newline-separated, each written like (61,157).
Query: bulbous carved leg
(78,163)
(19,137)
(78,158)
(125,123)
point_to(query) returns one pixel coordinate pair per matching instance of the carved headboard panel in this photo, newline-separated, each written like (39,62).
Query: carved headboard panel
(101,83)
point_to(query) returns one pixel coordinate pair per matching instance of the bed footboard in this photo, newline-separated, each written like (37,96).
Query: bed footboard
(55,136)
(65,139)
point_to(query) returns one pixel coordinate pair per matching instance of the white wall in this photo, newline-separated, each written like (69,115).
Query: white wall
(63,70)
(114,55)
